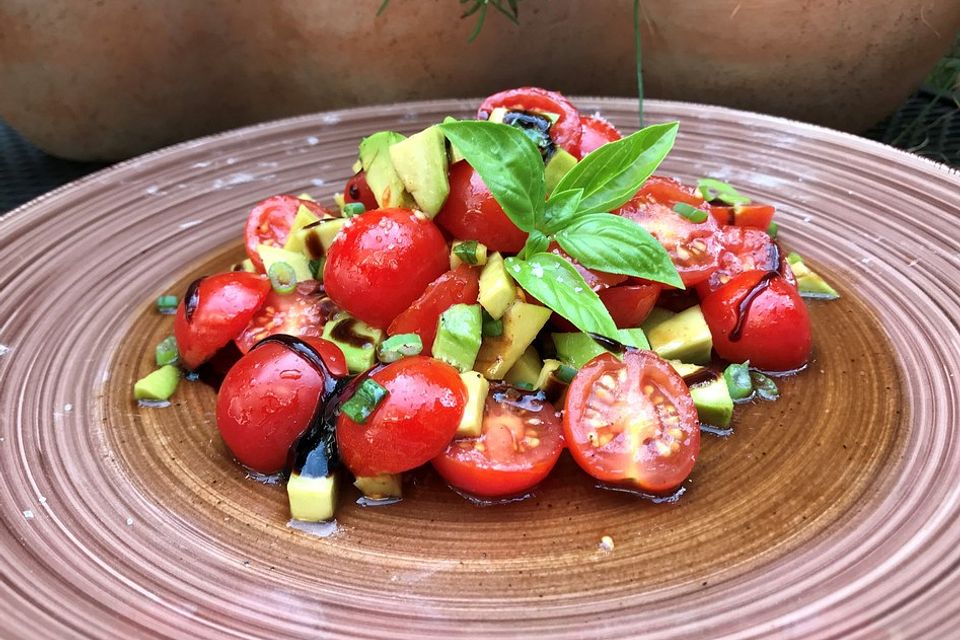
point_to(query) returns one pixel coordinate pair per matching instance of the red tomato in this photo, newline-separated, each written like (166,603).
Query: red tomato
(412,425)
(471,213)
(630,304)
(744,249)
(301,314)
(596,280)
(633,422)
(357,190)
(669,191)
(214,311)
(596,132)
(269,223)
(758,316)
(565,132)
(382,261)
(267,399)
(460,286)
(519,444)
(748,215)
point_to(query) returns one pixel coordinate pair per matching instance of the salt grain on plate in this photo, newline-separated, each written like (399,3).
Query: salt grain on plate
(606,544)
(28,514)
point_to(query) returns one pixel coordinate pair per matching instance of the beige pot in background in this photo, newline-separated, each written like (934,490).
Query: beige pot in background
(112,78)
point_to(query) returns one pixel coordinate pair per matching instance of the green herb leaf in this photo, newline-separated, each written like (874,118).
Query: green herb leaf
(712,189)
(737,377)
(509,164)
(690,212)
(466,251)
(773,230)
(489,326)
(615,244)
(364,401)
(765,386)
(612,174)
(536,243)
(554,282)
(561,210)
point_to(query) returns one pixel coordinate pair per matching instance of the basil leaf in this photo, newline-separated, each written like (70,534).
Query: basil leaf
(615,244)
(737,377)
(614,173)
(561,210)
(557,284)
(690,212)
(765,386)
(536,243)
(509,164)
(712,189)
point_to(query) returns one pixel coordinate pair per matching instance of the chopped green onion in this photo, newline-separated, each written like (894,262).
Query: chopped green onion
(793,258)
(773,229)
(526,386)
(565,373)
(167,352)
(737,377)
(765,386)
(712,189)
(690,212)
(316,268)
(283,278)
(489,327)
(466,251)
(167,304)
(399,346)
(364,401)
(353,209)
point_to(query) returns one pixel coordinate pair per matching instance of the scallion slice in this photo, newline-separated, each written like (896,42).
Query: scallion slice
(167,352)
(737,377)
(467,251)
(352,209)
(364,401)
(690,212)
(283,278)
(167,304)
(399,346)
(565,373)
(316,268)
(773,229)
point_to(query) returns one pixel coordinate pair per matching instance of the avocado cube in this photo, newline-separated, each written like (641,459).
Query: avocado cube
(656,317)
(421,163)
(550,383)
(809,283)
(303,219)
(245,265)
(356,339)
(557,166)
(315,240)
(312,498)
(381,176)
(713,402)
(380,487)
(521,324)
(497,290)
(683,369)
(527,369)
(299,263)
(158,385)
(458,336)
(577,349)
(685,336)
(471,423)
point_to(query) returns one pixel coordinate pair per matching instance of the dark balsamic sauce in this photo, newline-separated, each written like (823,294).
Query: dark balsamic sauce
(306,351)
(313,244)
(354,192)
(191,299)
(700,376)
(609,343)
(345,332)
(747,302)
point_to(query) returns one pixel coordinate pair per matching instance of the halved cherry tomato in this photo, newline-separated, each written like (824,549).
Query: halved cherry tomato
(214,312)
(459,286)
(596,132)
(471,213)
(269,223)
(267,399)
(760,317)
(301,314)
(414,422)
(519,444)
(758,216)
(669,191)
(357,190)
(382,261)
(632,422)
(596,280)
(744,249)
(565,132)
(630,304)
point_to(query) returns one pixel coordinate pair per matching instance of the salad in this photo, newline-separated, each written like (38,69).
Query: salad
(485,295)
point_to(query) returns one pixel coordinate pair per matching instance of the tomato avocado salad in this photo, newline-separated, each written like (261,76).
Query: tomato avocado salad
(485,294)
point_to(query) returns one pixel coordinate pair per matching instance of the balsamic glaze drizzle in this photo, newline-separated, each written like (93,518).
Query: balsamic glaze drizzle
(700,376)
(747,302)
(191,299)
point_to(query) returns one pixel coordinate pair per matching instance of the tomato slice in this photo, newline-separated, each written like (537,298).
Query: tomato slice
(520,441)
(596,132)
(357,190)
(630,304)
(743,249)
(269,223)
(459,286)
(565,132)
(596,280)
(669,191)
(758,216)
(632,422)
(301,314)
(214,311)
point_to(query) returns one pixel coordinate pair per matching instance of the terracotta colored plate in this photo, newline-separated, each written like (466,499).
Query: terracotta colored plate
(834,512)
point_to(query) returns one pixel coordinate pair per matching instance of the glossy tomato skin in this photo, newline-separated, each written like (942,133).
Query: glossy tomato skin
(775,330)
(596,132)
(670,191)
(412,425)
(458,286)
(520,443)
(357,190)
(565,132)
(225,303)
(269,223)
(758,216)
(630,304)
(301,313)
(471,213)
(382,261)
(743,249)
(267,399)
(632,423)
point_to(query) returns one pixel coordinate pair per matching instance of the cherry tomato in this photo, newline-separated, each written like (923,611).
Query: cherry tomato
(596,280)
(301,314)
(414,422)
(471,213)
(596,132)
(219,308)
(519,444)
(267,399)
(758,216)
(760,317)
(269,223)
(744,249)
(632,423)
(669,191)
(565,132)
(357,190)
(459,286)
(630,304)
(382,261)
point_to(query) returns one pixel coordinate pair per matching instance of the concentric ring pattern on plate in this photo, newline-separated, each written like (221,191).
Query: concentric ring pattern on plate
(124,522)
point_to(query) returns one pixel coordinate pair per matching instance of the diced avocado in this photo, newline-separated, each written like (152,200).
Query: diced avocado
(521,324)
(656,317)
(315,240)
(381,176)
(298,261)
(245,265)
(683,369)
(809,283)
(380,487)
(357,166)
(306,196)
(421,163)
(526,370)
(550,382)
(303,219)
(497,115)
(685,336)
(458,336)
(497,290)
(477,389)
(356,339)
(468,252)
(340,201)
(312,498)
(399,346)
(713,402)
(158,385)
(557,166)
(577,349)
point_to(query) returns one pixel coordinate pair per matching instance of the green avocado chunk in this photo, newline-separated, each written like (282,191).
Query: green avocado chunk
(684,336)
(421,163)
(471,424)
(526,371)
(577,349)
(158,385)
(497,290)
(380,487)
(557,166)
(713,402)
(312,498)
(809,283)
(381,176)
(458,336)
(356,339)
(522,322)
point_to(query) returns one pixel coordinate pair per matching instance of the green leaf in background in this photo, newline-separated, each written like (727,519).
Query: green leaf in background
(612,174)
(711,189)
(509,164)
(561,210)
(615,244)
(554,282)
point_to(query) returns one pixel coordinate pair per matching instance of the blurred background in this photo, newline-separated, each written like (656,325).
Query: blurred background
(84,84)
